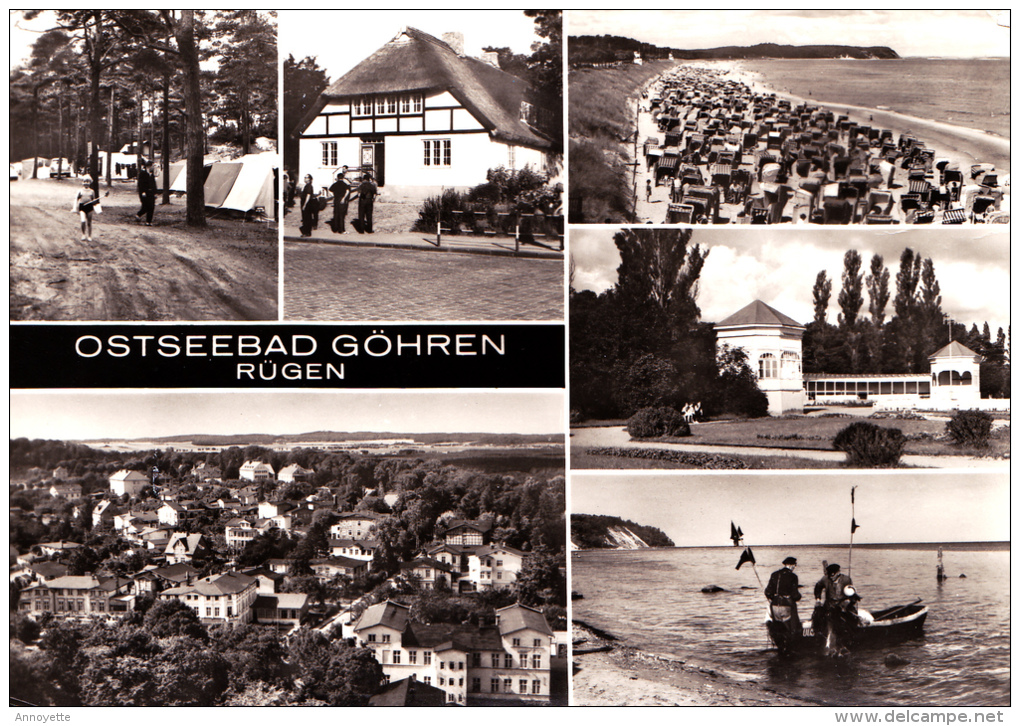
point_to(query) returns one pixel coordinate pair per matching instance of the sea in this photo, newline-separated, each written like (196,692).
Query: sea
(651,599)
(973,93)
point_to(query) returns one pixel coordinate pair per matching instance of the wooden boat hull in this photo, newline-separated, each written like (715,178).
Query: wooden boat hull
(888,626)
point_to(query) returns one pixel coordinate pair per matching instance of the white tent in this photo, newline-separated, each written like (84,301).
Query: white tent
(245,184)
(253,186)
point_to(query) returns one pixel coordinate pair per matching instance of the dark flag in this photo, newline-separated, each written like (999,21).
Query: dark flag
(854,526)
(852,494)
(735,534)
(746,556)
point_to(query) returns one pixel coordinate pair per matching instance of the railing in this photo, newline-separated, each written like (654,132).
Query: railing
(524,228)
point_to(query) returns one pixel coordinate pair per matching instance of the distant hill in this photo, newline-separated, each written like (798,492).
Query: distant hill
(587,49)
(324,437)
(595,531)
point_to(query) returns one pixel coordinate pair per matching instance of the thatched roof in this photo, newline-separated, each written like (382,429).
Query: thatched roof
(417,62)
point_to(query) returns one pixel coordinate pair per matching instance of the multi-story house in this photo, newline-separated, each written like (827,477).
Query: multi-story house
(293,473)
(430,573)
(184,547)
(104,512)
(328,568)
(494,565)
(128,482)
(355,549)
(510,661)
(256,471)
(224,598)
(356,525)
(77,596)
(467,532)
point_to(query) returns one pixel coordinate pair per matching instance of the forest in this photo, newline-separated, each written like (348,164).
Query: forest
(173,82)
(589,531)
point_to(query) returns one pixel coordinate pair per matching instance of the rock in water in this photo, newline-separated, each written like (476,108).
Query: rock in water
(892,660)
(712,588)
(962,576)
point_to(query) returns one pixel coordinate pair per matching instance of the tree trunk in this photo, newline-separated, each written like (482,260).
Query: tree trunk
(35,132)
(95,120)
(60,133)
(140,128)
(184,31)
(166,137)
(110,137)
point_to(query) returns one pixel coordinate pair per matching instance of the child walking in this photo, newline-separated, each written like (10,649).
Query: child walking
(84,204)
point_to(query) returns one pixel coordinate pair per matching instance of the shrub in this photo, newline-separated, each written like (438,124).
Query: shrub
(970,427)
(868,445)
(652,422)
(441,207)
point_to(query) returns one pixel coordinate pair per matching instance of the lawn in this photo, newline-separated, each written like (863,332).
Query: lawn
(923,437)
(583,458)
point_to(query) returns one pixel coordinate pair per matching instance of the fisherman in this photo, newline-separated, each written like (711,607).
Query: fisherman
(783,591)
(834,588)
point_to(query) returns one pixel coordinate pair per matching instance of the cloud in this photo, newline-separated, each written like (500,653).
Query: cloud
(779,266)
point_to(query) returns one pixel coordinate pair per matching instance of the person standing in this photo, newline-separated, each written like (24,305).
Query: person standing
(648,190)
(309,202)
(146,191)
(783,591)
(85,203)
(831,591)
(367,192)
(341,191)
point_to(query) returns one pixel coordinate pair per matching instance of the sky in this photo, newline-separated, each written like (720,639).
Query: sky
(695,510)
(926,33)
(779,266)
(339,40)
(78,415)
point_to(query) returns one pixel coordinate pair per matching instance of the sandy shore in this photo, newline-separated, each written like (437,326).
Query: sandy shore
(959,144)
(618,675)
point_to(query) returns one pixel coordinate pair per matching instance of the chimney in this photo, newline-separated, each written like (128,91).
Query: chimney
(455,41)
(491,57)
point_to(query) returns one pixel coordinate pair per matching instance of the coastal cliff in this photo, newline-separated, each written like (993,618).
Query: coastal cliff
(584,49)
(589,531)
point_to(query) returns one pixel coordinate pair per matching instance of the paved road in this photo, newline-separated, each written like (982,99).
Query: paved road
(618,436)
(330,282)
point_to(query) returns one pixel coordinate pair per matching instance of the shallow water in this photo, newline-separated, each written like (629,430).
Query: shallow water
(973,93)
(652,600)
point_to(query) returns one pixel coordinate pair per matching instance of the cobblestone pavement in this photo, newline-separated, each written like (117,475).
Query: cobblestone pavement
(330,282)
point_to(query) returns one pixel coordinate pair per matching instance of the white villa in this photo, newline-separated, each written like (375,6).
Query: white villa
(772,342)
(128,482)
(256,471)
(508,662)
(423,116)
(226,598)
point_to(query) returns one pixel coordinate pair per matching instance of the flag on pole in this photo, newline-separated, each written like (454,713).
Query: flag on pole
(852,493)
(854,526)
(746,556)
(735,534)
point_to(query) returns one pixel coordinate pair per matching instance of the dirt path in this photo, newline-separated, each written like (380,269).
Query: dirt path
(129,271)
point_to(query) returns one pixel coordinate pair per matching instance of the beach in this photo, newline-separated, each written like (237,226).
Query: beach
(959,144)
(619,675)
(698,163)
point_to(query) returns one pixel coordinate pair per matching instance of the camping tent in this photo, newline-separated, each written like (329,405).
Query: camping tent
(253,183)
(241,185)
